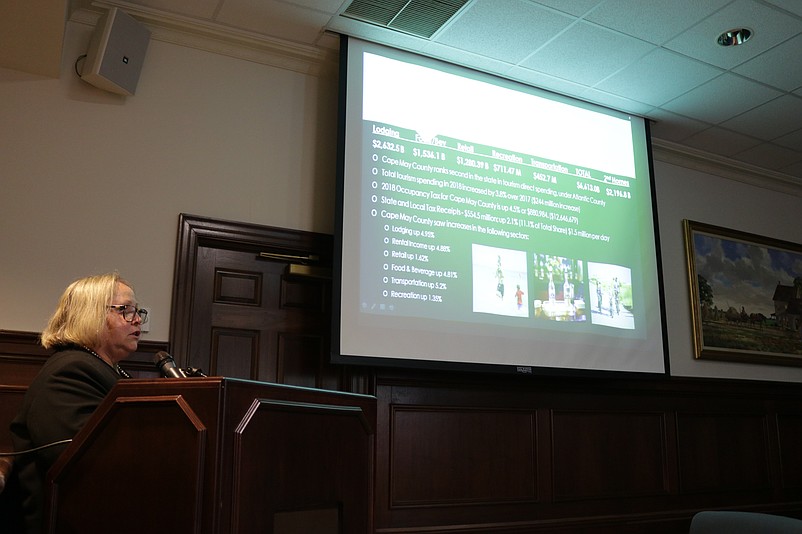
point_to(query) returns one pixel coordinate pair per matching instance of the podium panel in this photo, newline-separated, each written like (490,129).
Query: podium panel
(288,478)
(131,457)
(217,455)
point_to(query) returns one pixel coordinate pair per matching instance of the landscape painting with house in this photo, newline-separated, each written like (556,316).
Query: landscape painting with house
(749,296)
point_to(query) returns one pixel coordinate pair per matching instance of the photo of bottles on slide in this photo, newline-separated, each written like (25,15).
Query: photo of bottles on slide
(562,289)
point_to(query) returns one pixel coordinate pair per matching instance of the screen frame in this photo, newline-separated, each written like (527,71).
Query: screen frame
(337,357)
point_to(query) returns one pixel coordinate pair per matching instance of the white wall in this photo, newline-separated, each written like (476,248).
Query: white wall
(687,194)
(93,182)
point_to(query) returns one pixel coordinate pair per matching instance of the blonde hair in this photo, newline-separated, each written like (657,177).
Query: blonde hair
(80,316)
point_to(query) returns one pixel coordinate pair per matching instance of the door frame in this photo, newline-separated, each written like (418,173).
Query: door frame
(196,231)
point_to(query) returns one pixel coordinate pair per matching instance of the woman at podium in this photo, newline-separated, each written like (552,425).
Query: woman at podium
(97,324)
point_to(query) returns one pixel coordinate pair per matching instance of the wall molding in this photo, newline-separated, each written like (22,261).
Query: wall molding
(216,39)
(21,357)
(580,454)
(323,61)
(686,157)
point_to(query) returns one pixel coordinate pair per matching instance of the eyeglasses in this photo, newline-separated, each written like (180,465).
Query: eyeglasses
(128,311)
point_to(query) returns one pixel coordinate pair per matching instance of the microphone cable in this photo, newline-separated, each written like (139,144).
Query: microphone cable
(35,449)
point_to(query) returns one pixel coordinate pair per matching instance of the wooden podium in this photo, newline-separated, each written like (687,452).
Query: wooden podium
(218,455)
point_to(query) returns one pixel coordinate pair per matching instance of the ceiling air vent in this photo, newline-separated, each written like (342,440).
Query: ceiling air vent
(416,17)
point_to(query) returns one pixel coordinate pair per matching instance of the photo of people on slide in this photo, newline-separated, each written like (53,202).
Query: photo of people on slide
(499,281)
(611,295)
(559,288)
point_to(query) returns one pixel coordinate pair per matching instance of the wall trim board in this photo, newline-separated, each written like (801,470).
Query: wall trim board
(274,52)
(21,357)
(676,154)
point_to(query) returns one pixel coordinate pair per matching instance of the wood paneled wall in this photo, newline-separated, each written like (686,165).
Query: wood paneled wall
(21,357)
(470,453)
(481,454)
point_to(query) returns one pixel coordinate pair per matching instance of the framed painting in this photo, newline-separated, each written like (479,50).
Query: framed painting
(746,295)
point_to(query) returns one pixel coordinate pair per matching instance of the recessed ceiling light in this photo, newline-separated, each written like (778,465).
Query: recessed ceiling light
(734,37)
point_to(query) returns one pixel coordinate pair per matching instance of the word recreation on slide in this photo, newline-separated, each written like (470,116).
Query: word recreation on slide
(462,226)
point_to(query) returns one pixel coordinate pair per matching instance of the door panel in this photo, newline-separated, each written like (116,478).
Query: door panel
(239,310)
(251,320)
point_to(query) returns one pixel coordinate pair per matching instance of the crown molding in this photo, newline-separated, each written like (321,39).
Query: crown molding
(683,156)
(322,61)
(217,39)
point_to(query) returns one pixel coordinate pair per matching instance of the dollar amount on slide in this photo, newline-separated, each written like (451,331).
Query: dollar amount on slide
(429,154)
(388,145)
(473,163)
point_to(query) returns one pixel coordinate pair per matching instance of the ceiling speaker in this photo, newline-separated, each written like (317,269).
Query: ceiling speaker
(116,52)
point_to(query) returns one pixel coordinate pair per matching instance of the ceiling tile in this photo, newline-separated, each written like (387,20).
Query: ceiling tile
(673,127)
(774,119)
(720,141)
(795,169)
(781,66)
(508,30)
(378,34)
(769,156)
(329,7)
(658,77)
(574,7)
(794,6)
(277,19)
(616,102)
(594,50)
(586,53)
(545,81)
(769,26)
(202,9)
(460,57)
(706,103)
(655,21)
(792,140)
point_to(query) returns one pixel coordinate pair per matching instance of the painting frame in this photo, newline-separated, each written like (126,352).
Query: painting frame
(733,270)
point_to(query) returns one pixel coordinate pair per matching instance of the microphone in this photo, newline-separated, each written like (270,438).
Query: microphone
(166,364)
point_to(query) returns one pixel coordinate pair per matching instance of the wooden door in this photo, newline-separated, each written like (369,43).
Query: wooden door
(239,314)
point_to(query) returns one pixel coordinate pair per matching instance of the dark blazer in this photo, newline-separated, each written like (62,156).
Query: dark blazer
(59,401)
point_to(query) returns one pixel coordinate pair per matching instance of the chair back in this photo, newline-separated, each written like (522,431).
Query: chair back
(732,522)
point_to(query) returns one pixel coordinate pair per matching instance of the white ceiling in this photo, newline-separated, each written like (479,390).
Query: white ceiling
(655,58)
